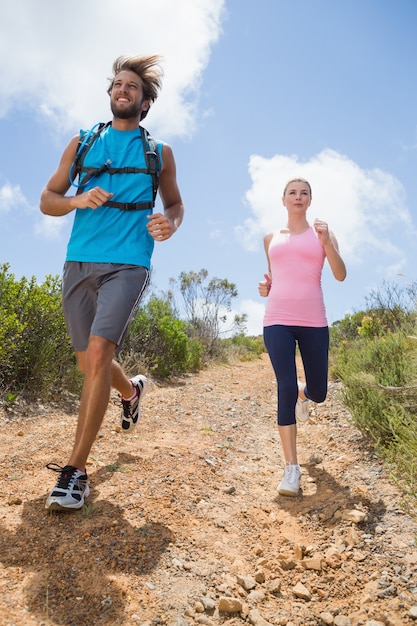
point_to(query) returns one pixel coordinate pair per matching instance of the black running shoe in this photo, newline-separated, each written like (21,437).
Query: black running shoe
(131,409)
(70,490)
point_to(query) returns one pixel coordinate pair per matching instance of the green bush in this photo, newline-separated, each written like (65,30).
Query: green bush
(241,348)
(35,351)
(36,357)
(380,390)
(346,329)
(160,340)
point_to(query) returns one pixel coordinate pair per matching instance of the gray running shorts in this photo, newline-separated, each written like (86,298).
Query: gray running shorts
(100,298)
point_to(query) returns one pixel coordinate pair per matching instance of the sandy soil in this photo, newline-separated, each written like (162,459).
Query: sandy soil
(184,524)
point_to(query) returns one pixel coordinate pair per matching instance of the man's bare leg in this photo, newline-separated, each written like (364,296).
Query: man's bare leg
(100,372)
(96,363)
(119,380)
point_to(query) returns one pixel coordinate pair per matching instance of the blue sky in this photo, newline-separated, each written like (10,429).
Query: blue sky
(254,94)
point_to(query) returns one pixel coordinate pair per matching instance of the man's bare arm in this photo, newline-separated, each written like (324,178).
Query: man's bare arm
(54,200)
(160,226)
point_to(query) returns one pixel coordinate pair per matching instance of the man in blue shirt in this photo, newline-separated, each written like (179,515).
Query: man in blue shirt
(108,257)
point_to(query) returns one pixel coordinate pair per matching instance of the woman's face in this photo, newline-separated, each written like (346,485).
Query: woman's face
(297,196)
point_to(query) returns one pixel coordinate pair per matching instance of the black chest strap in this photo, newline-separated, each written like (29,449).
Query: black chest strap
(153,169)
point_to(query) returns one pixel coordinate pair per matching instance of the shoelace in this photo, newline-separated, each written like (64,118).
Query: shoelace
(127,404)
(66,474)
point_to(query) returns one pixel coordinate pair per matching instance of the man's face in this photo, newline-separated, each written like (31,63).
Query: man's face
(126,98)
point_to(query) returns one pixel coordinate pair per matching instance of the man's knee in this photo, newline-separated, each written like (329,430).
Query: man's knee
(99,350)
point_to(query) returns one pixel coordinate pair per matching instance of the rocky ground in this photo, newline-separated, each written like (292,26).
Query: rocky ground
(184,525)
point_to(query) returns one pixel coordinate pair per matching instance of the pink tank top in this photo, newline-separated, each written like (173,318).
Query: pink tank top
(296,296)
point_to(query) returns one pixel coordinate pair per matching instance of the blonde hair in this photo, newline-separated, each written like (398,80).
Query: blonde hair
(298,180)
(148,69)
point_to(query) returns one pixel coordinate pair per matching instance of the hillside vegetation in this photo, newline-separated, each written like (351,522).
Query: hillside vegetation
(373,352)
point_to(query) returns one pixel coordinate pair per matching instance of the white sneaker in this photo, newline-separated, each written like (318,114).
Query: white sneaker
(302,410)
(70,489)
(290,483)
(131,408)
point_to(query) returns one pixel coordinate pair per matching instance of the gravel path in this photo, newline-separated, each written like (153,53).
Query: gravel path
(184,525)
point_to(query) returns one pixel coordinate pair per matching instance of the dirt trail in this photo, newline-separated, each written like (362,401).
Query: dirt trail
(184,525)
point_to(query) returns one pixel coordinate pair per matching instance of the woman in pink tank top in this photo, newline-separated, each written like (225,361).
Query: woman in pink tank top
(295,315)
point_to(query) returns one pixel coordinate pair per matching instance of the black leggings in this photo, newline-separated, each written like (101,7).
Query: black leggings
(280,341)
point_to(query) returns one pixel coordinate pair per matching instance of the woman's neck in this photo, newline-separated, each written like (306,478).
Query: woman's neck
(296,226)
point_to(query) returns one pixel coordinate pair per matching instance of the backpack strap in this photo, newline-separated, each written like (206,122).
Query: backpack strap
(131,206)
(152,159)
(83,147)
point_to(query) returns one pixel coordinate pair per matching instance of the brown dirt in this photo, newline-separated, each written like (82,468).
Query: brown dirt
(184,525)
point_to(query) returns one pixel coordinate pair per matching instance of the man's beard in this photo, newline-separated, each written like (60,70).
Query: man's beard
(127,113)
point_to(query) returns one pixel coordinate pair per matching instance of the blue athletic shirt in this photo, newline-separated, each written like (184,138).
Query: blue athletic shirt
(106,234)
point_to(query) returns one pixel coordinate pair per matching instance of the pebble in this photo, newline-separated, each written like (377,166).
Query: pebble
(256,619)
(342,620)
(354,516)
(300,591)
(208,603)
(229,605)
(313,563)
(247,582)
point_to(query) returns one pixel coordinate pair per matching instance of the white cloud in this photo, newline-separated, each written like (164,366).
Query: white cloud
(11,197)
(366,209)
(217,234)
(63,54)
(255,315)
(13,200)
(50,227)
(255,312)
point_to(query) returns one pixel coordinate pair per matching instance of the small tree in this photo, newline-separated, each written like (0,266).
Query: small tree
(206,305)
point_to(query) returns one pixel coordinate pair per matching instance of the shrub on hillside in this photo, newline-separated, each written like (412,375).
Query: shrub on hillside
(241,348)
(160,340)
(35,351)
(380,390)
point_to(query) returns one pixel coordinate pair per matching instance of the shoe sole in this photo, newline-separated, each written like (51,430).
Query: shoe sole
(285,492)
(55,506)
